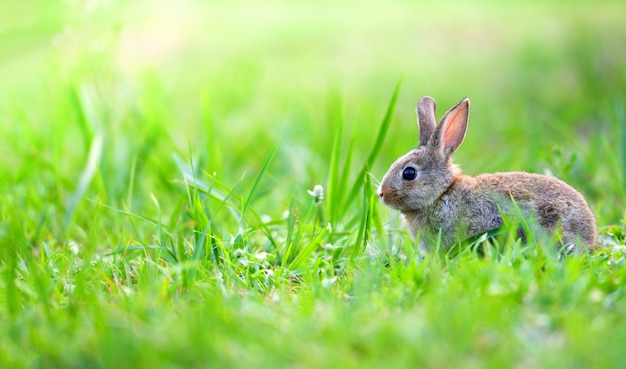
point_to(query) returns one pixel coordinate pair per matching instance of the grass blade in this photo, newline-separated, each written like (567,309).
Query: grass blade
(335,190)
(362,234)
(380,138)
(91,166)
(258,179)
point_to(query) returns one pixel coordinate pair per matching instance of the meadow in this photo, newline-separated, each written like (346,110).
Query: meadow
(157,159)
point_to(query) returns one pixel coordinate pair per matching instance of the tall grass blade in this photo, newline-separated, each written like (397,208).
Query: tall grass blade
(289,241)
(93,138)
(343,183)
(161,233)
(198,251)
(380,138)
(258,179)
(384,127)
(362,235)
(87,119)
(335,190)
(377,221)
(91,166)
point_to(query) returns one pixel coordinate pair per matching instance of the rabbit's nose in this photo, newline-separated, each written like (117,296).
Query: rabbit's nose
(380,191)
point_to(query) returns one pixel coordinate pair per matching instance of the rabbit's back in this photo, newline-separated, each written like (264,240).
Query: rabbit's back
(550,200)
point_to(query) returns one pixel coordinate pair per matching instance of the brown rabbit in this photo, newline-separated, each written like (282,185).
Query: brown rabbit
(443,205)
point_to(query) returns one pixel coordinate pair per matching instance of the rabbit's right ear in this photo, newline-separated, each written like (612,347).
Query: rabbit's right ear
(426,120)
(450,132)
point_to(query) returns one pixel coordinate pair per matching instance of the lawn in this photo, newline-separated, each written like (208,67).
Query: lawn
(158,156)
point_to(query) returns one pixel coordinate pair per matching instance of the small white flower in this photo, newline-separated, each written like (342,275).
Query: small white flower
(329,282)
(74,247)
(274,296)
(317,194)
(261,255)
(266,218)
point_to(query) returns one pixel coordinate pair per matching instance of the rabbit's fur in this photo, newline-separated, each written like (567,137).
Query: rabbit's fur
(443,206)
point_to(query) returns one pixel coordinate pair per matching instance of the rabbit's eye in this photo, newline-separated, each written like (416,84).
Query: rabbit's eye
(409,173)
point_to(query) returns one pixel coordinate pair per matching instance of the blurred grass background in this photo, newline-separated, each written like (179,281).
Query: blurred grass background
(546,80)
(101,102)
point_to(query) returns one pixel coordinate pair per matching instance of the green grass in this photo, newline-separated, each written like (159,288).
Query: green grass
(154,210)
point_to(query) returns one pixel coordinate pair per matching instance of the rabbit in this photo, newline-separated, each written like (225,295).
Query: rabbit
(443,206)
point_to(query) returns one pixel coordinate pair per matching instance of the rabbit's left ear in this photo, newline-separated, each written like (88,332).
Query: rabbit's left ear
(450,131)
(426,120)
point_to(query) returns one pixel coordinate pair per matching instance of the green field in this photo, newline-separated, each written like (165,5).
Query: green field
(156,158)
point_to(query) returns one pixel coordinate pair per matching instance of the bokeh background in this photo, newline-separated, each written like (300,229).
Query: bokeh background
(224,81)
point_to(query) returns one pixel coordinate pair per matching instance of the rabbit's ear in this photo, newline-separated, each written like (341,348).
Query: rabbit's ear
(426,120)
(451,129)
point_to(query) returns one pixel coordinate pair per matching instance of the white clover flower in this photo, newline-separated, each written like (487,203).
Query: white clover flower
(329,282)
(274,296)
(69,288)
(317,194)
(73,247)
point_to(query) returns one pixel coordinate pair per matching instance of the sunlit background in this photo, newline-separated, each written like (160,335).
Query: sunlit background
(546,80)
